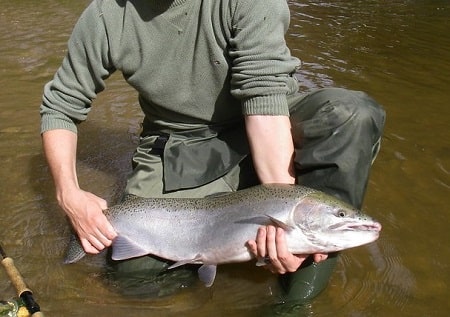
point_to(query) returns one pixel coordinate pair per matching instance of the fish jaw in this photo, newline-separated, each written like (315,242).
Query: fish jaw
(331,225)
(366,226)
(350,234)
(340,237)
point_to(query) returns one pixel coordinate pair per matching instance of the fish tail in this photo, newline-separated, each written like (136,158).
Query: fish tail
(75,251)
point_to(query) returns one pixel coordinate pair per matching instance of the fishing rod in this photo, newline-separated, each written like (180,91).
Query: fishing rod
(22,289)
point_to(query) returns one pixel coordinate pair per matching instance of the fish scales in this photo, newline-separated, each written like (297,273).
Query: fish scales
(214,230)
(201,224)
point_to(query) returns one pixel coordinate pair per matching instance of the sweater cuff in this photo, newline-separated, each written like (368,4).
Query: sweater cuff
(48,122)
(271,105)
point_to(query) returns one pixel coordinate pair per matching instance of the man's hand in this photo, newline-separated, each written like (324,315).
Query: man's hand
(271,243)
(85,211)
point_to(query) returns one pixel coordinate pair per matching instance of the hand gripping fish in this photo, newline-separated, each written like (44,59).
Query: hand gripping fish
(214,230)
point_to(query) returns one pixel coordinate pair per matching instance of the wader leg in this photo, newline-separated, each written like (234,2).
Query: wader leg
(337,136)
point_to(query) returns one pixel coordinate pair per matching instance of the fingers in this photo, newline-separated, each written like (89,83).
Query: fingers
(109,231)
(102,229)
(271,245)
(288,261)
(281,259)
(272,251)
(85,211)
(319,257)
(94,242)
(89,247)
(261,242)
(99,235)
(252,247)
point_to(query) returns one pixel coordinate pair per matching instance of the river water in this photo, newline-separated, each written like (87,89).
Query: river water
(397,51)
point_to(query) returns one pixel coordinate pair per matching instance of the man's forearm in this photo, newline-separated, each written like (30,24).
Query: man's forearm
(84,209)
(272,148)
(60,150)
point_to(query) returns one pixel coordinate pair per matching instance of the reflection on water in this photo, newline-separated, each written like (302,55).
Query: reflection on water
(398,51)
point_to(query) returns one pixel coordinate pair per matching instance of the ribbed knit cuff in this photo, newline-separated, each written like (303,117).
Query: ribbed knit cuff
(275,105)
(49,122)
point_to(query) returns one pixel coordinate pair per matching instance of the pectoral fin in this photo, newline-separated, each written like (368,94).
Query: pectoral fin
(265,220)
(207,274)
(124,248)
(281,224)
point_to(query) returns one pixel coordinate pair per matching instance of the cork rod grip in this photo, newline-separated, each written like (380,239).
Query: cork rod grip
(14,276)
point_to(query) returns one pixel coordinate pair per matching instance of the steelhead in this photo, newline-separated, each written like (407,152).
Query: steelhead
(214,230)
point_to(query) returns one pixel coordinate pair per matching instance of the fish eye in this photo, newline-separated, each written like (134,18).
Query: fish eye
(341,213)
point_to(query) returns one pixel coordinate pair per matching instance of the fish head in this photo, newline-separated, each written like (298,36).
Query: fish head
(333,225)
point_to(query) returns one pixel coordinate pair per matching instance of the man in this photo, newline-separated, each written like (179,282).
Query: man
(216,85)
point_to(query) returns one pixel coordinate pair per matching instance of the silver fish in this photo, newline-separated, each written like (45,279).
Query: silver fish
(214,230)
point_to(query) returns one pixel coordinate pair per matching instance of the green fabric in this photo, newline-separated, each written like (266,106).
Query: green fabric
(148,276)
(337,134)
(147,177)
(308,281)
(329,157)
(187,155)
(194,62)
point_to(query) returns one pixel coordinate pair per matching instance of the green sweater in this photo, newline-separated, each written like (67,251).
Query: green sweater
(191,61)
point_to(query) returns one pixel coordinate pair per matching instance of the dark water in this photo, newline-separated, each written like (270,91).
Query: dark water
(397,51)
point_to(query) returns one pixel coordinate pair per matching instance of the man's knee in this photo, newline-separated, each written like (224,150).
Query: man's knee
(354,110)
(368,112)
(325,110)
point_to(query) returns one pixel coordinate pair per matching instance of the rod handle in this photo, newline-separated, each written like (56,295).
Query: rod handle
(15,276)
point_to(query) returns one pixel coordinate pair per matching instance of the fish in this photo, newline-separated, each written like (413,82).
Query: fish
(214,230)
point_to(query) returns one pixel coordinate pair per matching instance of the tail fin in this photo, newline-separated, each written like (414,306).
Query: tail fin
(75,251)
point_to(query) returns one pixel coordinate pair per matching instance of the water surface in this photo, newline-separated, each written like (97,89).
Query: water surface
(397,51)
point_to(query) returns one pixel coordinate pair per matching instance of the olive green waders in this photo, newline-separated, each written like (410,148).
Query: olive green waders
(337,136)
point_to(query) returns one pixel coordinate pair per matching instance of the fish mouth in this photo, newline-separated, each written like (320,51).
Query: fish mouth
(366,227)
(373,226)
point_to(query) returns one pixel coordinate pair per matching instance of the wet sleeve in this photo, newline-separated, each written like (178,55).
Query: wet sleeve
(261,60)
(68,96)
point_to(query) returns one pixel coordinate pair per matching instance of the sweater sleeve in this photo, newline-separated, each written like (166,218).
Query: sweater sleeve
(262,62)
(68,96)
